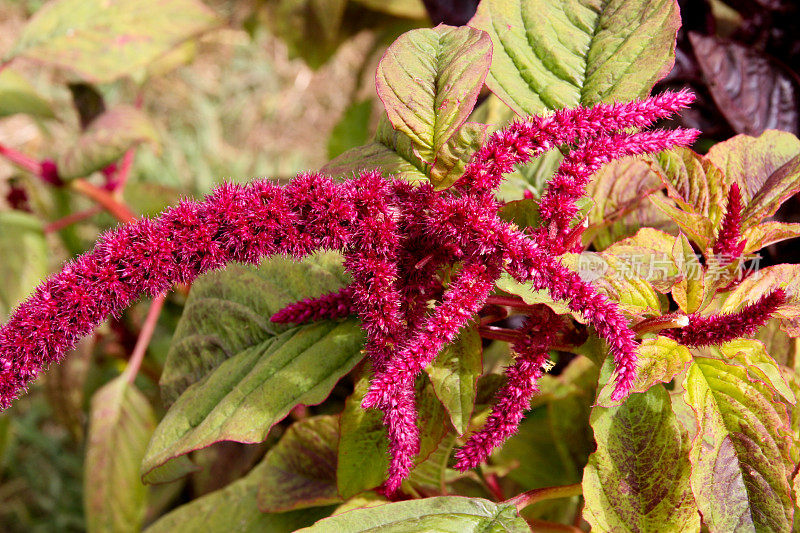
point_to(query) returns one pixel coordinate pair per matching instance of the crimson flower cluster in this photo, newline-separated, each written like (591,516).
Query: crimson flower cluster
(396,239)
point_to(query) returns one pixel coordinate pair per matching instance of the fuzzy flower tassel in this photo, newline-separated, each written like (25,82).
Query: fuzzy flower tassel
(396,240)
(718,329)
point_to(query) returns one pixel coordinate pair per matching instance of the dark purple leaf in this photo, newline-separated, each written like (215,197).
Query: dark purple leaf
(753,91)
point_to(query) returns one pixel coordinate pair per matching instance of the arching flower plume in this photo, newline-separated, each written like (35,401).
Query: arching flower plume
(395,238)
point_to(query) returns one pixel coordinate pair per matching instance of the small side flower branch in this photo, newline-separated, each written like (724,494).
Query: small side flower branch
(396,238)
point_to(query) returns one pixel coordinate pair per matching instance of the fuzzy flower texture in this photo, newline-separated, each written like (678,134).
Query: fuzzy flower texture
(395,238)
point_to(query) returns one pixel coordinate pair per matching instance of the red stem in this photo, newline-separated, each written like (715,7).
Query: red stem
(23,161)
(145,335)
(61,223)
(120,211)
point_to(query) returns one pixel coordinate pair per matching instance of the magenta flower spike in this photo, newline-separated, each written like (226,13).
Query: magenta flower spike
(514,397)
(728,246)
(718,329)
(395,239)
(333,306)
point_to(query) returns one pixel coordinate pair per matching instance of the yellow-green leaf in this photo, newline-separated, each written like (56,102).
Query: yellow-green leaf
(103,40)
(121,423)
(550,54)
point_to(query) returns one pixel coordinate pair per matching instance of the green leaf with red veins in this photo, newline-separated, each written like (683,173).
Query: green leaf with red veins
(698,188)
(690,292)
(751,355)
(759,166)
(649,255)
(750,161)
(638,479)
(555,54)
(741,456)
(620,190)
(660,359)
(300,471)
(443,513)
(429,80)
(121,422)
(101,41)
(454,375)
(453,156)
(106,140)
(767,233)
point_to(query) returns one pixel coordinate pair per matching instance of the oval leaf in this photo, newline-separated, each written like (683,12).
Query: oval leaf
(102,41)
(740,463)
(120,426)
(444,513)
(429,80)
(256,388)
(300,471)
(638,479)
(454,375)
(660,359)
(555,54)
(228,312)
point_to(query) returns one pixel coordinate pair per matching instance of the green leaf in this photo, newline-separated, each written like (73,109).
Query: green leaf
(120,426)
(618,279)
(106,140)
(452,158)
(779,187)
(352,130)
(256,388)
(638,479)
(300,471)
(660,359)
(391,153)
(102,41)
(751,355)
(17,95)
(228,312)
(554,54)
(690,292)
(363,448)
(648,254)
(740,463)
(785,276)
(430,475)
(429,80)
(620,190)
(751,161)
(532,452)
(767,233)
(443,513)
(524,213)
(235,509)
(454,375)
(24,252)
(700,190)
